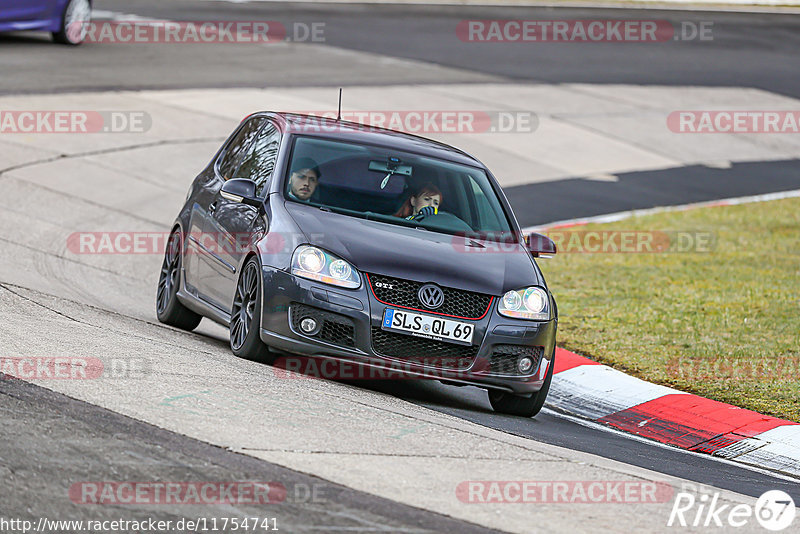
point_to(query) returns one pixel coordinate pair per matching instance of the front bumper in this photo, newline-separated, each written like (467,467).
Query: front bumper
(351,332)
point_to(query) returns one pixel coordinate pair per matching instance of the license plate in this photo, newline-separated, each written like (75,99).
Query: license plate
(428,326)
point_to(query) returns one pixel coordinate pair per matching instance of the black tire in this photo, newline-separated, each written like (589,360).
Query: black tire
(511,404)
(169,309)
(246,315)
(77,14)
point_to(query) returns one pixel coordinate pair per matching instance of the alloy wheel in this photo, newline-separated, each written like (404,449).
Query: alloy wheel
(244,304)
(170,270)
(76,20)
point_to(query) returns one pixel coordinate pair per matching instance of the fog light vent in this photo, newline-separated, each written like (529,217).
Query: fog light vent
(515,360)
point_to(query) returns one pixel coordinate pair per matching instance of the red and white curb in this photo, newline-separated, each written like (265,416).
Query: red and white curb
(604,395)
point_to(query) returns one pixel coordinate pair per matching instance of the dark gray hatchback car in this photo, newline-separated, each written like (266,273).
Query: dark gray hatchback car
(321,238)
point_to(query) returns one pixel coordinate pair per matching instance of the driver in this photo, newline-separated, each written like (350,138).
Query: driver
(304,179)
(423,203)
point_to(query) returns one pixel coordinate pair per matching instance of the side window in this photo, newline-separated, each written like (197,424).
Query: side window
(260,160)
(237,147)
(486,215)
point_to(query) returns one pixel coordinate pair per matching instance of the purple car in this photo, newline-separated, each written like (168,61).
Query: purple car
(67,20)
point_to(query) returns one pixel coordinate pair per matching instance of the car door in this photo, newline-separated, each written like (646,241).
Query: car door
(25,10)
(237,225)
(204,262)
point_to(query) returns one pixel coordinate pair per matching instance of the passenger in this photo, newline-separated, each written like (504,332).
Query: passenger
(304,179)
(425,202)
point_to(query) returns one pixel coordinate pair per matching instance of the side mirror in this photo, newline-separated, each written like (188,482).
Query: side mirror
(540,245)
(240,190)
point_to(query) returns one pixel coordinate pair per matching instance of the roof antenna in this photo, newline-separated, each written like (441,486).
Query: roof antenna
(339,115)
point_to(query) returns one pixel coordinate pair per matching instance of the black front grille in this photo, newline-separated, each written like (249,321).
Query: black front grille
(457,302)
(504,358)
(423,351)
(336,329)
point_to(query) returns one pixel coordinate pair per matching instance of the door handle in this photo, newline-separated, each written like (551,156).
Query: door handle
(212,207)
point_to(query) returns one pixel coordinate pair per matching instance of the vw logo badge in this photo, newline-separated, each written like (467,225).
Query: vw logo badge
(431,296)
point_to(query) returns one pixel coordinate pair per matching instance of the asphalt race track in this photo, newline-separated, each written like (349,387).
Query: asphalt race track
(383,456)
(748,50)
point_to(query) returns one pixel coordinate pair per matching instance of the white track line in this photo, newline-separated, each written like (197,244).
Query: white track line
(621,215)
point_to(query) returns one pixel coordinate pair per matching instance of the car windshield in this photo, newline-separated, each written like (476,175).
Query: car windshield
(394,187)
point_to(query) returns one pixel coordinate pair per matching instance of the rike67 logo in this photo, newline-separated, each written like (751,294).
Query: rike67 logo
(774,511)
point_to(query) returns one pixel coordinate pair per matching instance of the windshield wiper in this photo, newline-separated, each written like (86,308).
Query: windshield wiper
(341,211)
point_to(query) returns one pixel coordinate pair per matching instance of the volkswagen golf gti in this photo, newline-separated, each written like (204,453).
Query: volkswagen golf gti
(322,238)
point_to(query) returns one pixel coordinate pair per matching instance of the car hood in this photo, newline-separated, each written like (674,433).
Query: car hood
(419,255)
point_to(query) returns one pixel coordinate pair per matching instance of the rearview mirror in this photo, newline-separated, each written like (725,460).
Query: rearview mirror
(240,190)
(540,245)
(392,167)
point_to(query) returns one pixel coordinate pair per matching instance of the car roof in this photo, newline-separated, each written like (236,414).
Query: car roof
(327,127)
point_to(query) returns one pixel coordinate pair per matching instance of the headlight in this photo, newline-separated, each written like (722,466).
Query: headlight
(316,264)
(340,270)
(311,260)
(511,301)
(527,303)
